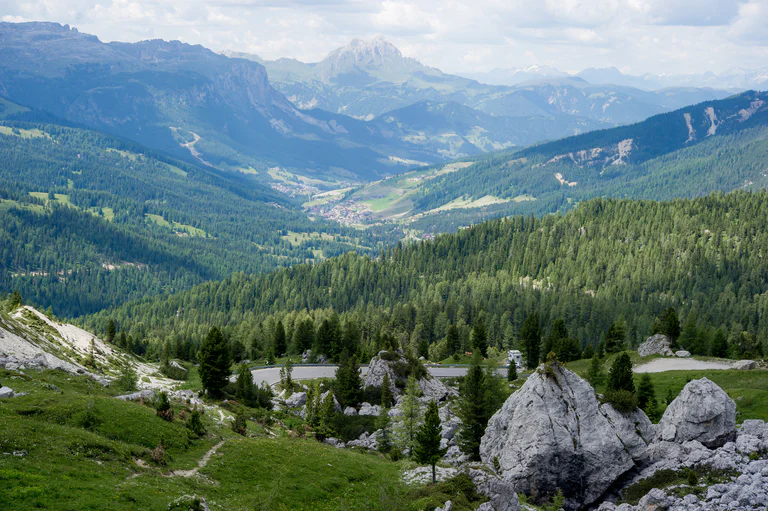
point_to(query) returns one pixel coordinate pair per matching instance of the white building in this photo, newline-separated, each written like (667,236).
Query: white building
(516,357)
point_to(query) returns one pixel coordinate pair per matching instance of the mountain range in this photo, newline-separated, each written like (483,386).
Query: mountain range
(711,146)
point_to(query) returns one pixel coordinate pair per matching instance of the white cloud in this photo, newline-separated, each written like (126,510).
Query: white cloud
(454,35)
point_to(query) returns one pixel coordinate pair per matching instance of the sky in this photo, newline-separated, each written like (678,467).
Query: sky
(636,36)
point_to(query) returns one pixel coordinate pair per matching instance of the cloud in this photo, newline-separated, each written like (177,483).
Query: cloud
(454,35)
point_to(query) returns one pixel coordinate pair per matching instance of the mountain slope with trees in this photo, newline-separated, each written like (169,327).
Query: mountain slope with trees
(605,261)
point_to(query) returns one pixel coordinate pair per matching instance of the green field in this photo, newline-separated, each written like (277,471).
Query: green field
(177,227)
(20,132)
(8,108)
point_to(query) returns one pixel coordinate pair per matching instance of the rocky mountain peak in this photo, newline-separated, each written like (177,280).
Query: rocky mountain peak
(372,52)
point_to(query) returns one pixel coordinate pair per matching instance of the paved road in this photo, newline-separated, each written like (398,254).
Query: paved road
(271,375)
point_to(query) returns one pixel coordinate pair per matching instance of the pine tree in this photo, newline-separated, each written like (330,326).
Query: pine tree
(616,336)
(278,339)
(15,301)
(620,377)
(479,338)
(286,376)
(244,383)
(195,424)
(311,410)
(689,335)
(111,331)
(348,386)
(384,425)
(325,416)
(512,371)
(473,409)
(719,344)
(645,391)
(552,341)
(427,449)
(453,342)
(214,362)
(530,334)
(595,376)
(386,391)
(411,414)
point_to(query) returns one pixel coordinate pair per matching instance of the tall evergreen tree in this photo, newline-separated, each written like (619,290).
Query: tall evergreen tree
(278,340)
(551,342)
(386,391)
(348,386)
(719,344)
(689,335)
(616,336)
(620,377)
(411,414)
(512,371)
(645,391)
(479,338)
(244,383)
(214,362)
(453,342)
(427,449)
(303,336)
(595,376)
(530,334)
(473,409)
(111,331)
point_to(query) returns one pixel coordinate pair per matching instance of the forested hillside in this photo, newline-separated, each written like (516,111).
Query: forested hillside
(89,221)
(605,260)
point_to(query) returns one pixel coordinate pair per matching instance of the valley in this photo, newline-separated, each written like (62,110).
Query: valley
(249,264)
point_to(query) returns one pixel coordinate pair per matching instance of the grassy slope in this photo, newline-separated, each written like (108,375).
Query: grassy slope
(65,466)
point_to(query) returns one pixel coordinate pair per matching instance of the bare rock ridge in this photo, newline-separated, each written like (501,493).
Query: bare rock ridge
(395,366)
(658,344)
(556,420)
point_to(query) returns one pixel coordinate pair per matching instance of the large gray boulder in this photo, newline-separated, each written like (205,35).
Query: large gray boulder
(296,400)
(378,367)
(658,344)
(385,362)
(702,412)
(6,392)
(553,434)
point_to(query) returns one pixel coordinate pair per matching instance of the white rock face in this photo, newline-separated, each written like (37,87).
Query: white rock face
(368,409)
(6,392)
(350,411)
(553,434)
(702,412)
(432,388)
(296,400)
(658,344)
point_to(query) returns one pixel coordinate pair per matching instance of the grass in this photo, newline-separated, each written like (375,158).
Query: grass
(177,227)
(59,463)
(8,108)
(749,389)
(20,132)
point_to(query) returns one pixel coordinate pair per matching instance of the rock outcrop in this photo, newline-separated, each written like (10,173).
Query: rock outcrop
(658,344)
(6,392)
(556,420)
(702,412)
(745,365)
(394,365)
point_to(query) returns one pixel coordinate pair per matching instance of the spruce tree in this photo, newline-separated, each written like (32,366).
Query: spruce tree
(719,344)
(473,409)
(386,392)
(479,338)
(111,331)
(453,342)
(278,340)
(645,391)
(552,341)
(530,334)
(384,425)
(411,414)
(512,371)
(244,384)
(427,447)
(348,386)
(595,376)
(214,362)
(620,377)
(616,336)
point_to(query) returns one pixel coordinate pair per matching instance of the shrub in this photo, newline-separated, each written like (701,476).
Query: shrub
(389,356)
(623,400)
(240,424)
(128,379)
(163,407)
(195,423)
(158,454)
(90,419)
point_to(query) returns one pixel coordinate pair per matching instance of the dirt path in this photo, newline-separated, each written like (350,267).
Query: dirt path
(200,464)
(660,365)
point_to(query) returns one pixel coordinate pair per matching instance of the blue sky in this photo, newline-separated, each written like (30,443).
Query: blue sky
(637,36)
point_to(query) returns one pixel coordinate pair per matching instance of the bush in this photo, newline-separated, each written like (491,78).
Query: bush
(389,356)
(623,400)
(350,427)
(163,407)
(240,424)
(195,424)
(128,379)
(90,419)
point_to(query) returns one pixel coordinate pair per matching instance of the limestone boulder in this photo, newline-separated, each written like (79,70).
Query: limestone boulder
(555,420)
(658,344)
(702,412)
